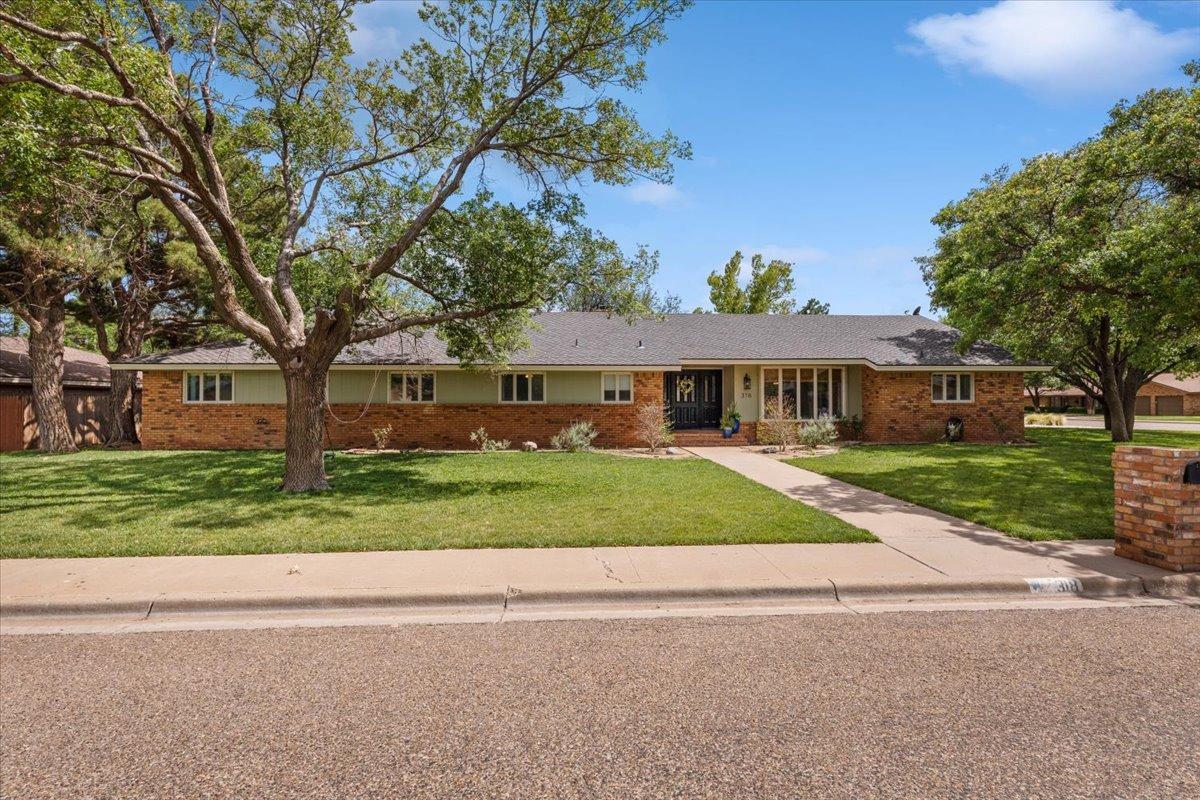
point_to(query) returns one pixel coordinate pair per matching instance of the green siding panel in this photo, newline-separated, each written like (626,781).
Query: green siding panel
(358,386)
(258,386)
(455,386)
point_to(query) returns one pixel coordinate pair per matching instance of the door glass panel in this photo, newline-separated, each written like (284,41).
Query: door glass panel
(210,387)
(225,386)
(838,411)
(806,394)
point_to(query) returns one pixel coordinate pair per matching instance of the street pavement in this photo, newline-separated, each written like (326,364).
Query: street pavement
(1141,424)
(1009,704)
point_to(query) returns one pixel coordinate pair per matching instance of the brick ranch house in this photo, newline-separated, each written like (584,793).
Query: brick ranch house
(900,375)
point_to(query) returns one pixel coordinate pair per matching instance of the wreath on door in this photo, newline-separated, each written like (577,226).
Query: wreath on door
(685,389)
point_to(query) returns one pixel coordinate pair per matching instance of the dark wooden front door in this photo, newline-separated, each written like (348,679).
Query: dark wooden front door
(693,397)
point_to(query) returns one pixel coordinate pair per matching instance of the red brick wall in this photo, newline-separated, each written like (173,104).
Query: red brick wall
(1156,515)
(170,424)
(898,407)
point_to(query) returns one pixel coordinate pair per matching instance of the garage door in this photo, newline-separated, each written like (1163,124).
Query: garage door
(1143,406)
(1171,405)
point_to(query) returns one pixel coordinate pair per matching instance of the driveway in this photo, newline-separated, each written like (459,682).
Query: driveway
(1142,424)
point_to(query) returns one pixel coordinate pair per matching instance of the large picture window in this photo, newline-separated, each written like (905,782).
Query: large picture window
(616,387)
(523,387)
(411,387)
(952,387)
(208,387)
(807,392)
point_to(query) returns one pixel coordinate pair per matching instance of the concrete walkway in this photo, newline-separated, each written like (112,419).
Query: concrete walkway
(939,542)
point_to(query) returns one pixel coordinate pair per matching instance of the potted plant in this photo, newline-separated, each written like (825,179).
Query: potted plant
(735,418)
(727,424)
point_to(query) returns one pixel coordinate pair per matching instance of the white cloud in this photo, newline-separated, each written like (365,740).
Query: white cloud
(384,30)
(653,193)
(1058,46)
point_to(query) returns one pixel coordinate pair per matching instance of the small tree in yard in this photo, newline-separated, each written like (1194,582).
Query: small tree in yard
(365,165)
(652,427)
(779,427)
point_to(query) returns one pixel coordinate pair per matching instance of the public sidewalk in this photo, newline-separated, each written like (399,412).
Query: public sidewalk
(923,556)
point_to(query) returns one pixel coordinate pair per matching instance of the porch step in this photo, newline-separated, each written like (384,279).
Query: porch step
(709,438)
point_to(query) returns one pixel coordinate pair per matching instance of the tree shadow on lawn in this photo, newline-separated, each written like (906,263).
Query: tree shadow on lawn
(221,490)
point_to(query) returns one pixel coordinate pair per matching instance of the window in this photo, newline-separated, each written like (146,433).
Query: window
(616,387)
(410,387)
(523,387)
(952,387)
(208,387)
(809,393)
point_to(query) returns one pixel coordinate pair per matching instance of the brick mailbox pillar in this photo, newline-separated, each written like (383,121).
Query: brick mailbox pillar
(1157,515)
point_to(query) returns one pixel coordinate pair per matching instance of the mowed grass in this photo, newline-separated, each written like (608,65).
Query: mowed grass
(1059,488)
(106,503)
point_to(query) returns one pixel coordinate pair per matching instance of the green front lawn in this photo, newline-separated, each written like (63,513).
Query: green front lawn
(1060,488)
(105,503)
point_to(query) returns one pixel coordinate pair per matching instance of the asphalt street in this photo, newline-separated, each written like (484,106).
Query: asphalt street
(1015,704)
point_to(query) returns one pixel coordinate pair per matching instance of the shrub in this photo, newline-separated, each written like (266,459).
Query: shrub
(652,427)
(575,437)
(486,445)
(854,425)
(778,427)
(819,432)
(382,437)
(1044,419)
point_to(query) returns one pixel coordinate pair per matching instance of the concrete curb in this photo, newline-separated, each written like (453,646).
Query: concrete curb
(498,599)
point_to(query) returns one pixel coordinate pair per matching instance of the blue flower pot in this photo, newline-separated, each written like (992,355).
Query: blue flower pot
(737,425)
(727,432)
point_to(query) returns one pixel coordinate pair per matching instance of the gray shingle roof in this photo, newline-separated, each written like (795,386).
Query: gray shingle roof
(80,367)
(576,338)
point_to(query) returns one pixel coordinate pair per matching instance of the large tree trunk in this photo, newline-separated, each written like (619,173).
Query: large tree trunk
(46,365)
(121,426)
(304,442)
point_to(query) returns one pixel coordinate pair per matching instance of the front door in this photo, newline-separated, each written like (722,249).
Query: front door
(693,397)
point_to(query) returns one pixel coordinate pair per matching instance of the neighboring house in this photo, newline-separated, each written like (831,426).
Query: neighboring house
(85,391)
(900,375)
(1166,395)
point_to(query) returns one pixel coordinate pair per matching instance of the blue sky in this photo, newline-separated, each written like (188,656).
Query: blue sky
(828,134)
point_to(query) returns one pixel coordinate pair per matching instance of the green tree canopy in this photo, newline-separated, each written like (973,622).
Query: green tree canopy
(1088,259)
(370,168)
(769,290)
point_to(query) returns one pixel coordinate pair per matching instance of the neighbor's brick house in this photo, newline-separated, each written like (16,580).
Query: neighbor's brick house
(900,376)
